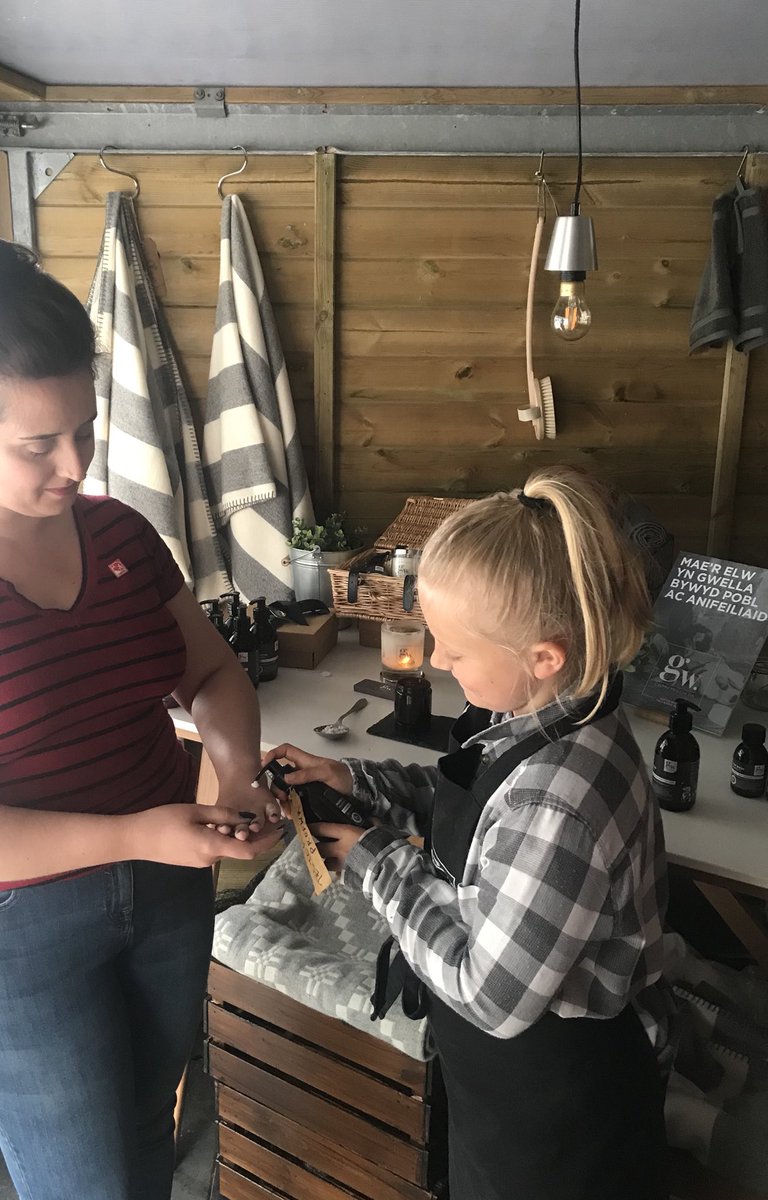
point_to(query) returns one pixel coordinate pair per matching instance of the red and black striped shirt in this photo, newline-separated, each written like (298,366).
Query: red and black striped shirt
(82,723)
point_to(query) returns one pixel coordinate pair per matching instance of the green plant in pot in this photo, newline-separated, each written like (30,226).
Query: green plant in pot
(314,548)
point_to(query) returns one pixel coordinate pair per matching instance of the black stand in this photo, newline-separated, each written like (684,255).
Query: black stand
(433,738)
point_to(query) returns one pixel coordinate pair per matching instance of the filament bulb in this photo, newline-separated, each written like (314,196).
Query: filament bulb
(571,317)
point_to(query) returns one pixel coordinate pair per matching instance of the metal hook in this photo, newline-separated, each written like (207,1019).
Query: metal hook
(743,163)
(114,171)
(543,190)
(231,174)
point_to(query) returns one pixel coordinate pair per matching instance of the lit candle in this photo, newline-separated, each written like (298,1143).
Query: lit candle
(402,647)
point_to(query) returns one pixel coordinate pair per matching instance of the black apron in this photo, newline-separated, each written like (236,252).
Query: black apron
(570,1109)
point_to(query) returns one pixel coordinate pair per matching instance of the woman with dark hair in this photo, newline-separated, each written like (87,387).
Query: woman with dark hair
(105,885)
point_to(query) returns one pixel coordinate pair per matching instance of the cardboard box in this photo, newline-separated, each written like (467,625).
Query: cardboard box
(305,646)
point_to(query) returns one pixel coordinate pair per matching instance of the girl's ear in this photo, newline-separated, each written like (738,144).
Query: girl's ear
(547,659)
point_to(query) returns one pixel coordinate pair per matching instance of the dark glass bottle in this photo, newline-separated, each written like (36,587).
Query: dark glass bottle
(749,762)
(265,636)
(216,618)
(243,642)
(231,603)
(676,761)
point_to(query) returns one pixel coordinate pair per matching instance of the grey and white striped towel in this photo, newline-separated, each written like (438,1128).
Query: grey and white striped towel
(147,453)
(251,450)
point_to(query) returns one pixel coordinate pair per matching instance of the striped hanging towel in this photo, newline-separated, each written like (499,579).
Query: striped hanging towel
(146,448)
(251,450)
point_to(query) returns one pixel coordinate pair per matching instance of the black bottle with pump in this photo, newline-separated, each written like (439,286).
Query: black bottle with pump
(748,768)
(231,603)
(216,617)
(265,636)
(676,761)
(243,642)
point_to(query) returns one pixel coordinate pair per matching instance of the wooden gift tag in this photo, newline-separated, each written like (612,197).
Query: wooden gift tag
(318,872)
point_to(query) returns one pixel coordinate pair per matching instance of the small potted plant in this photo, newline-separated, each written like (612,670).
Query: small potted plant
(314,548)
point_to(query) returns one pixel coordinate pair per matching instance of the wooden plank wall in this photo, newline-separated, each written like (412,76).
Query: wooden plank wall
(432,256)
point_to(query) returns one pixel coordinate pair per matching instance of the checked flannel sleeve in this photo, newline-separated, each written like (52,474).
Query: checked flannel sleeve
(499,949)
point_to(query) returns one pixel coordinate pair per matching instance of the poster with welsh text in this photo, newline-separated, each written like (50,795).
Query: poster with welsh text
(710,621)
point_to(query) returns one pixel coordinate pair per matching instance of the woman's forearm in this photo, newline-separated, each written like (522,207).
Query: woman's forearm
(226,715)
(34,844)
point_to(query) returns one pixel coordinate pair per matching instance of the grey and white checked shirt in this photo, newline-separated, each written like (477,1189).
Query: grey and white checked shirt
(562,899)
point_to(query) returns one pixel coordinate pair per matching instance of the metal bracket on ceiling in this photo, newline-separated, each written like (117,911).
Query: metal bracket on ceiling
(45,166)
(210,102)
(15,124)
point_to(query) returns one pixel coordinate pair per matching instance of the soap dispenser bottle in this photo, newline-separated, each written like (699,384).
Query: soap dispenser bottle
(676,761)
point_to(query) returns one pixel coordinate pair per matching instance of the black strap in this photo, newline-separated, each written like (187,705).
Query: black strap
(395,977)
(409,592)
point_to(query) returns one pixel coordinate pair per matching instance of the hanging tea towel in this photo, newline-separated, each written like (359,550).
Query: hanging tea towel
(146,448)
(251,450)
(732,300)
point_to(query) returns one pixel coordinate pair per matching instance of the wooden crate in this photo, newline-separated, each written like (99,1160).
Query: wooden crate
(380,597)
(314,1109)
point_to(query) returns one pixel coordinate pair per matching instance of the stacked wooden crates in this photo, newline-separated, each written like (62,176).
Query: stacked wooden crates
(314,1109)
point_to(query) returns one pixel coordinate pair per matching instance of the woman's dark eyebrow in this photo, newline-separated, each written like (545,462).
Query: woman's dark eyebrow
(47,437)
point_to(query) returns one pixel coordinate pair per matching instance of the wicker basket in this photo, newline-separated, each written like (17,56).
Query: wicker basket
(380,597)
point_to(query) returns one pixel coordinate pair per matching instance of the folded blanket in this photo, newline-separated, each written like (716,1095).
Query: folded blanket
(319,950)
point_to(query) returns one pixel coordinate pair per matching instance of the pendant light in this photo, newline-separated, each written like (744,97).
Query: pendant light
(572,249)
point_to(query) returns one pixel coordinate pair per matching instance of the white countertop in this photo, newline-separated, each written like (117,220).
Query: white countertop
(724,835)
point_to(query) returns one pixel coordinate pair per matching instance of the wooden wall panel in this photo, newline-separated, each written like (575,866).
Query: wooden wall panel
(432,261)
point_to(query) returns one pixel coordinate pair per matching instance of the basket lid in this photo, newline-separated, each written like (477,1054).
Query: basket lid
(418,519)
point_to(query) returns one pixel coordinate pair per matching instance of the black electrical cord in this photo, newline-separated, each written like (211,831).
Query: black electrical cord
(577,72)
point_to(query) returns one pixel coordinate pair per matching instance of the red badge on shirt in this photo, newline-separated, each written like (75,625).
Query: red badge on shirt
(118,568)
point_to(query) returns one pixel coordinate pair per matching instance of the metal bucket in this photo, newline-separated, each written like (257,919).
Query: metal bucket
(310,572)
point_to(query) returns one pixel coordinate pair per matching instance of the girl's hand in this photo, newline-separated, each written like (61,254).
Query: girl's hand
(311,767)
(335,842)
(189,835)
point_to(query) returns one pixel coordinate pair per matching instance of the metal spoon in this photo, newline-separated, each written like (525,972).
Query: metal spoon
(337,729)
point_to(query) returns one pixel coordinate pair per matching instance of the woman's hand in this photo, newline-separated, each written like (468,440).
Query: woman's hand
(334,842)
(190,835)
(256,807)
(310,767)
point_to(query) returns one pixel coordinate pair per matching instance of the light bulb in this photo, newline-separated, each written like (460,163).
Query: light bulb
(571,317)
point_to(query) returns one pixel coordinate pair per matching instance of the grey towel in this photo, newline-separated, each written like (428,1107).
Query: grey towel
(146,447)
(732,300)
(251,449)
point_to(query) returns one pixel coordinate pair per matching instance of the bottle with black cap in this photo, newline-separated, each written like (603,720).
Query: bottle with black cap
(749,762)
(243,642)
(676,761)
(265,637)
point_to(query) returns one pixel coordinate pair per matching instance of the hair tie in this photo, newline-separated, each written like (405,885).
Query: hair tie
(537,503)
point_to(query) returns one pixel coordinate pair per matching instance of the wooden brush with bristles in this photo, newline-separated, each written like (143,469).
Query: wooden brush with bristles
(541,401)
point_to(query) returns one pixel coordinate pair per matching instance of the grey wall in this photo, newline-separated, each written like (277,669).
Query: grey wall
(378,42)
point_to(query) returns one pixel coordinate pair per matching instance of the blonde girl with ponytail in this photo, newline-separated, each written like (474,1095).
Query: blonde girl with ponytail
(528,928)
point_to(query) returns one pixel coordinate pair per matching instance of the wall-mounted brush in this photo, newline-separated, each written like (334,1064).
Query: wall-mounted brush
(541,402)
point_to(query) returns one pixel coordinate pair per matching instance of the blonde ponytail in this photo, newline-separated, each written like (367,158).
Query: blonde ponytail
(554,566)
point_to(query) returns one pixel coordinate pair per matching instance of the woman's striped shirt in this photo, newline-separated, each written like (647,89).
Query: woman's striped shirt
(82,722)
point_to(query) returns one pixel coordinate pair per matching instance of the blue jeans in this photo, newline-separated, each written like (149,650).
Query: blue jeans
(101,986)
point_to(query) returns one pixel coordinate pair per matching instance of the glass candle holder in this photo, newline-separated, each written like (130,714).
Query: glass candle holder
(402,649)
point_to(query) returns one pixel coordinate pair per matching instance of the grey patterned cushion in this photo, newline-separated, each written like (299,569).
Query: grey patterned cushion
(320,950)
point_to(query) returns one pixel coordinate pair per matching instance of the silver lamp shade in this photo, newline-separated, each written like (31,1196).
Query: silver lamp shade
(573,246)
